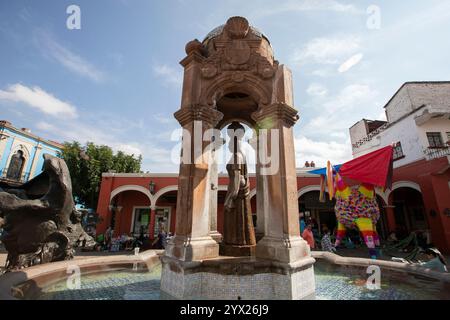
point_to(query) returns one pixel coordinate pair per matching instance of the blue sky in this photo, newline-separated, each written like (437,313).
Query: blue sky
(117,81)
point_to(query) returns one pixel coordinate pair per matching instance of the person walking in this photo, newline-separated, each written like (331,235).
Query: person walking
(308,236)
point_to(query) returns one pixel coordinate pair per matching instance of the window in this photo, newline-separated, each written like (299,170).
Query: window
(398,151)
(435,139)
(141,221)
(448,138)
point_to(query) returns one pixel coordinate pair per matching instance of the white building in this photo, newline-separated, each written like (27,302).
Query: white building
(418,120)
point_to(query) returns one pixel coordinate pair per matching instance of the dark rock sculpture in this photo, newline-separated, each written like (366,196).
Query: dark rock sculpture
(41,223)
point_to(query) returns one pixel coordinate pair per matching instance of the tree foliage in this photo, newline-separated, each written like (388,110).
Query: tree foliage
(86,165)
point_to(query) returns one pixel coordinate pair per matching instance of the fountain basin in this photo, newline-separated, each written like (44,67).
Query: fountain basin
(336,278)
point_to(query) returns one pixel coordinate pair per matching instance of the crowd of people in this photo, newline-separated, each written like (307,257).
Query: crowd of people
(128,242)
(428,256)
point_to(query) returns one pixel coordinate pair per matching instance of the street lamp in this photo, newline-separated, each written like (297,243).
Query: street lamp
(152,187)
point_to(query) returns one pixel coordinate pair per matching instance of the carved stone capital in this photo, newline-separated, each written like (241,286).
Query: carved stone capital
(193,56)
(202,113)
(267,116)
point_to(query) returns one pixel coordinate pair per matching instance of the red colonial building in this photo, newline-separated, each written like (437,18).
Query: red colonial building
(130,201)
(418,122)
(419,200)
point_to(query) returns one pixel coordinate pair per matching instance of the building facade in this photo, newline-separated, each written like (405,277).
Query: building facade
(418,124)
(131,201)
(21,153)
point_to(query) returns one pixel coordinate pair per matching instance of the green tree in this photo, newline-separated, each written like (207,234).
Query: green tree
(86,165)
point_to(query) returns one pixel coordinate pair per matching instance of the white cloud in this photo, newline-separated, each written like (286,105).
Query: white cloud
(37,98)
(168,74)
(341,111)
(323,72)
(350,63)
(155,158)
(351,96)
(71,61)
(316,89)
(327,50)
(305,5)
(321,151)
(129,149)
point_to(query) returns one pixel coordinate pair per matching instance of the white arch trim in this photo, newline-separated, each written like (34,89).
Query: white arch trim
(131,187)
(252,193)
(406,184)
(20,147)
(307,189)
(161,192)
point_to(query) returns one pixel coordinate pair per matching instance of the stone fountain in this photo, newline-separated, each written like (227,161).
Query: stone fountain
(231,77)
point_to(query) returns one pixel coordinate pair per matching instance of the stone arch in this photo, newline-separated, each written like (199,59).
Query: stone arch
(250,85)
(132,187)
(20,147)
(25,153)
(161,192)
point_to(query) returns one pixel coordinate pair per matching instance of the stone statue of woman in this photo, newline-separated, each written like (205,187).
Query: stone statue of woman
(238,231)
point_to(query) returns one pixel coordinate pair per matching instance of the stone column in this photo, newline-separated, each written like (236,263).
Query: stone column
(192,240)
(277,189)
(151,225)
(213,199)
(260,224)
(37,154)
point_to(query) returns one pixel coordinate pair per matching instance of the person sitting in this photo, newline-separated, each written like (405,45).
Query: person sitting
(326,241)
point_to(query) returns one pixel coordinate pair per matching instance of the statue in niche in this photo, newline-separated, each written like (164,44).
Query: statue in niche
(40,222)
(15,166)
(238,231)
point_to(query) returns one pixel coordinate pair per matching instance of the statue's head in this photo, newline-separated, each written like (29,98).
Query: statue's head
(236,132)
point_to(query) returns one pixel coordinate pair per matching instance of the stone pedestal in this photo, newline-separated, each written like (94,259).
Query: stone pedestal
(236,250)
(233,278)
